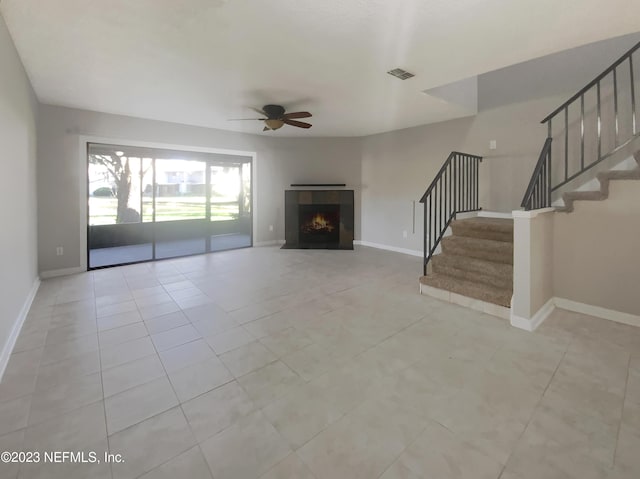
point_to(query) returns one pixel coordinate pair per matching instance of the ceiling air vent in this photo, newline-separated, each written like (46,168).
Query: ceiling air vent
(400,73)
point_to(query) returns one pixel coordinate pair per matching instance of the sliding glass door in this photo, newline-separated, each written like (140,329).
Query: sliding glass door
(181,209)
(230,206)
(147,204)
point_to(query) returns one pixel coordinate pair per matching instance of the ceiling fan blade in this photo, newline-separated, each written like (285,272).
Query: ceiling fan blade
(297,114)
(258,110)
(245,119)
(299,124)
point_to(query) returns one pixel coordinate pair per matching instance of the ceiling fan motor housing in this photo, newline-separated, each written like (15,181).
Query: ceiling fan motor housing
(273,111)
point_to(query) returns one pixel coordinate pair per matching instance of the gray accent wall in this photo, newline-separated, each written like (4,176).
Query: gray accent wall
(568,70)
(279,162)
(18,247)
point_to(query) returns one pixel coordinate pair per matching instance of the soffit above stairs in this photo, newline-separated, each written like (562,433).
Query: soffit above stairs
(200,62)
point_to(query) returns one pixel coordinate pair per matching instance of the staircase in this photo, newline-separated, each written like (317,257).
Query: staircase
(476,261)
(603,193)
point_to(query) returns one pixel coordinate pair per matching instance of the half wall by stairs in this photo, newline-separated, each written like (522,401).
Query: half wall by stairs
(476,261)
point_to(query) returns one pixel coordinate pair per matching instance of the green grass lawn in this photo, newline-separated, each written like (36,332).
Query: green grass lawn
(102,211)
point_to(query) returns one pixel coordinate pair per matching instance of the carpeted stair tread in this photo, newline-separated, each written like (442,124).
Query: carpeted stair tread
(495,274)
(471,289)
(497,229)
(484,249)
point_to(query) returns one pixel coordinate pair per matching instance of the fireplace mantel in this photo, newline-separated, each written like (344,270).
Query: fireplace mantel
(335,207)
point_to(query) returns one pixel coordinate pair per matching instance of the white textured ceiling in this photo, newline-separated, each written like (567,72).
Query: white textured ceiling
(201,62)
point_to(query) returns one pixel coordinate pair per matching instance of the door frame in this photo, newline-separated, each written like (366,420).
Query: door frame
(84,141)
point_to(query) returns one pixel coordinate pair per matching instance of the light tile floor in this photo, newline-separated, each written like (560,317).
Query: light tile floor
(269,363)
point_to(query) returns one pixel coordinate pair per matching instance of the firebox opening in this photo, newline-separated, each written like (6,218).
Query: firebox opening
(319,224)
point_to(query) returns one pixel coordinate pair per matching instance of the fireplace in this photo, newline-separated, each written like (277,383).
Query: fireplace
(317,219)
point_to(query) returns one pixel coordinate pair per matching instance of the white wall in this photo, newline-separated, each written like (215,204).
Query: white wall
(388,171)
(18,250)
(585,261)
(397,167)
(280,162)
(533,267)
(596,254)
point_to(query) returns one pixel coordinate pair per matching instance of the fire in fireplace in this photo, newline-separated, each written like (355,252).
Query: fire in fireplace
(319,224)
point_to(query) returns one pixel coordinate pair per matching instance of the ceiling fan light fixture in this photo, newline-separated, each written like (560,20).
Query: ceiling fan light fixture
(274,124)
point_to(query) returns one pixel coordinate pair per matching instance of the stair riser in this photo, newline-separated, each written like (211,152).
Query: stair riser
(501,281)
(500,298)
(505,236)
(504,256)
(475,265)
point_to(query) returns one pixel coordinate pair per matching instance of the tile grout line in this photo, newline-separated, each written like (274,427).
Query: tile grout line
(178,406)
(39,367)
(624,401)
(27,425)
(533,412)
(104,409)
(408,446)
(180,403)
(71,290)
(295,450)
(198,445)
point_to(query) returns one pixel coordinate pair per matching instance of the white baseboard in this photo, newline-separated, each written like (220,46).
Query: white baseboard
(466,215)
(17,327)
(598,312)
(61,272)
(494,214)
(269,243)
(583,308)
(483,214)
(532,213)
(537,319)
(411,252)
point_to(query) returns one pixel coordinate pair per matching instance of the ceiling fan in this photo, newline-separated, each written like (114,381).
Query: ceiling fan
(276,117)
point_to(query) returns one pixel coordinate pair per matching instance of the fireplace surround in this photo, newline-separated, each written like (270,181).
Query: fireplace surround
(319,219)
